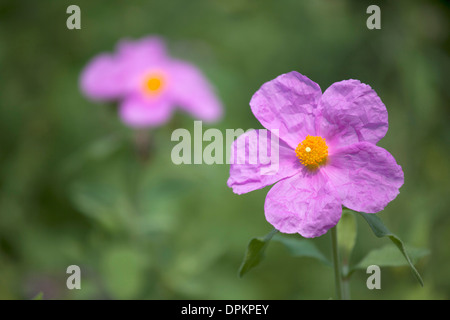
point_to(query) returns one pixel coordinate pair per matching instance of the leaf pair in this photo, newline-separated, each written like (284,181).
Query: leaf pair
(386,256)
(297,248)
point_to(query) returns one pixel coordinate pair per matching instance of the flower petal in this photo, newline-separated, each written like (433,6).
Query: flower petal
(103,78)
(287,103)
(305,203)
(192,91)
(111,76)
(366,176)
(139,112)
(249,171)
(141,53)
(351,112)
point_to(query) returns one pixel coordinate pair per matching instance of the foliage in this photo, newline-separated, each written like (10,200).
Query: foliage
(74,189)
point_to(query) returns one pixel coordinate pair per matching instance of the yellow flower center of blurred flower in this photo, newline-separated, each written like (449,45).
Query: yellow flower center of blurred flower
(312,152)
(153,83)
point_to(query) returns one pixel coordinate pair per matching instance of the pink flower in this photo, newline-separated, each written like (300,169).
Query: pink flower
(149,84)
(328,156)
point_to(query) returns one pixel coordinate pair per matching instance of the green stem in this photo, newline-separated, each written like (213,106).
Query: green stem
(143,144)
(336,263)
(345,281)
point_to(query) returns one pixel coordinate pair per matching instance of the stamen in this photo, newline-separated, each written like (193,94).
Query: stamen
(312,152)
(153,83)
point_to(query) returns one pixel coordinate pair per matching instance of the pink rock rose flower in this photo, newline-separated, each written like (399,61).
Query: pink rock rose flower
(328,157)
(149,84)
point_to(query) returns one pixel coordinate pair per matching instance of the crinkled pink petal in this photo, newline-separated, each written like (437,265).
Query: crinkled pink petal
(111,76)
(143,52)
(305,203)
(253,166)
(351,112)
(193,92)
(288,103)
(142,57)
(366,176)
(137,111)
(104,78)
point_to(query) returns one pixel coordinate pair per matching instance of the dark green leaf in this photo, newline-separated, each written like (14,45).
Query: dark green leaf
(380,230)
(301,248)
(255,252)
(390,256)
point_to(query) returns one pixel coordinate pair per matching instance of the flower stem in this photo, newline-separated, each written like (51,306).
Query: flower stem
(336,264)
(345,281)
(143,144)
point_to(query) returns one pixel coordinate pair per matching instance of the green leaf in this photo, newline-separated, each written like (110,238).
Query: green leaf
(123,270)
(380,230)
(301,248)
(39,296)
(99,202)
(346,233)
(97,151)
(389,256)
(255,252)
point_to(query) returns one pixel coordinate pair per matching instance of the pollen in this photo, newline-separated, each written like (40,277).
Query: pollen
(312,152)
(153,83)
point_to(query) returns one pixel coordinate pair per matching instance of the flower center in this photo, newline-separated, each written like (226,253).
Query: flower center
(312,151)
(153,83)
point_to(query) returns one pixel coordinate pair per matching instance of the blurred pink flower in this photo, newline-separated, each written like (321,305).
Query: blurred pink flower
(328,156)
(149,84)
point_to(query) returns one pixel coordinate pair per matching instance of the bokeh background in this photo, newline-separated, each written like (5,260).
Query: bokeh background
(74,190)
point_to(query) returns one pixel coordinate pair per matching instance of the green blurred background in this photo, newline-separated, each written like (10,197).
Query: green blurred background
(73,189)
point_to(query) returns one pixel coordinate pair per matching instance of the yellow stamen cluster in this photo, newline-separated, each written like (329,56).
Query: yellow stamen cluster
(153,83)
(312,152)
